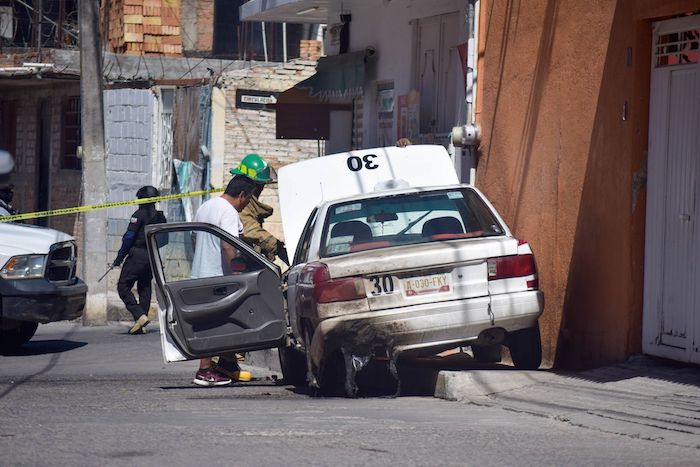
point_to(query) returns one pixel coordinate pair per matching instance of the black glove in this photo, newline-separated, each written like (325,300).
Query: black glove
(282,252)
(117,261)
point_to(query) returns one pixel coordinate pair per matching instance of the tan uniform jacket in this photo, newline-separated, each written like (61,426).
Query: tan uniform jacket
(253,216)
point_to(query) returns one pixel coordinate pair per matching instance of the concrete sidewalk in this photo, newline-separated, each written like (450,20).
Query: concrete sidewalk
(642,398)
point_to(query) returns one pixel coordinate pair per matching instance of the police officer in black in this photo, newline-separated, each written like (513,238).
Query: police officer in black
(137,268)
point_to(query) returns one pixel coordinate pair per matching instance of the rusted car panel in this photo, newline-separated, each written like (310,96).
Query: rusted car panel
(425,328)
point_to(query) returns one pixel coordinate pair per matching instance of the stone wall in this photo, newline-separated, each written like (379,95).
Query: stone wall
(254,130)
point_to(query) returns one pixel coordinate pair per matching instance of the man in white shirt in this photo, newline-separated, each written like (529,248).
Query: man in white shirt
(212,256)
(208,260)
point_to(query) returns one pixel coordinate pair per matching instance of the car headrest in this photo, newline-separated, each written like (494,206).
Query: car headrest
(442,225)
(360,231)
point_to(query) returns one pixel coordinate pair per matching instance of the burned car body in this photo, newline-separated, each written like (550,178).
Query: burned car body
(411,272)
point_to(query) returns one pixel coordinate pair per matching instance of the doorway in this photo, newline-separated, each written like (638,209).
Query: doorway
(671,326)
(43,159)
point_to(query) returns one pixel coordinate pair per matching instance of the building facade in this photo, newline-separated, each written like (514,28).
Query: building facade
(589,151)
(587,115)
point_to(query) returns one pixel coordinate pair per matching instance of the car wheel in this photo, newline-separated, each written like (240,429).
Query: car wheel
(487,353)
(526,348)
(293,364)
(308,333)
(334,379)
(14,334)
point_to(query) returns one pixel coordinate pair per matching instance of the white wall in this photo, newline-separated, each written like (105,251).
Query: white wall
(388,26)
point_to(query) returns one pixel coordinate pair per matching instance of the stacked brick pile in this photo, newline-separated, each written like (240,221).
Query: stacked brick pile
(309,50)
(145,26)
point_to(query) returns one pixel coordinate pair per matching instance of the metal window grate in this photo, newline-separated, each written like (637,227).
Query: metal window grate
(60,266)
(677,48)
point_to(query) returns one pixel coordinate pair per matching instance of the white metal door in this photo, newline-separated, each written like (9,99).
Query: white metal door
(671,292)
(439,75)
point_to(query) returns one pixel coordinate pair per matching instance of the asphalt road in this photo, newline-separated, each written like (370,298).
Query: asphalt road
(97,396)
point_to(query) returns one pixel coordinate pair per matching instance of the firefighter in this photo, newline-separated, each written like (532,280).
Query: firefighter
(253,216)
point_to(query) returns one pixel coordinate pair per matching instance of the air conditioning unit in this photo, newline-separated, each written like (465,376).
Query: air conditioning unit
(6,22)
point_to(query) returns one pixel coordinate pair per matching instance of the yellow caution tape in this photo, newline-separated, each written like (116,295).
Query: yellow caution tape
(77,209)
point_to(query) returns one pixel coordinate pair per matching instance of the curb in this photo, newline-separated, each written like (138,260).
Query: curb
(267,359)
(477,384)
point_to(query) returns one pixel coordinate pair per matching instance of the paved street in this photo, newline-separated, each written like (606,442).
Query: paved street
(97,396)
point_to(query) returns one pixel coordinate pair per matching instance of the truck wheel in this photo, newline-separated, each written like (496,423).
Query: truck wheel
(526,348)
(293,364)
(14,334)
(487,353)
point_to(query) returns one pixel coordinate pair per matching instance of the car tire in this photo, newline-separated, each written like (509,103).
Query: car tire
(293,364)
(308,334)
(334,379)
(487,353)
(526,348)
(14,334)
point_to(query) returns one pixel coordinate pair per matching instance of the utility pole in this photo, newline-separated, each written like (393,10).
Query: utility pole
(94,251)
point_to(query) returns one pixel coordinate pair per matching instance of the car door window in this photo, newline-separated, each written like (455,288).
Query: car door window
(198,253)
(302,253)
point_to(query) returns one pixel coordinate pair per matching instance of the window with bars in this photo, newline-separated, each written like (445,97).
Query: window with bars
(70,133)
(678,48)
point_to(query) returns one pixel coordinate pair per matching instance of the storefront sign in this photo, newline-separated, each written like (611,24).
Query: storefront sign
(255,100)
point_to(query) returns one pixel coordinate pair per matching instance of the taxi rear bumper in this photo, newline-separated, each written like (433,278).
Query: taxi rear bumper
(427,328)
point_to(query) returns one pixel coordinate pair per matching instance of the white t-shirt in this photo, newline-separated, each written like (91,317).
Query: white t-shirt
(207,252)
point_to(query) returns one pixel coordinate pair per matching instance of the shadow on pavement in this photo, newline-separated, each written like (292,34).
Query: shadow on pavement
(250,384)
(55,356)
(641,366)
(52,346)
(417,376)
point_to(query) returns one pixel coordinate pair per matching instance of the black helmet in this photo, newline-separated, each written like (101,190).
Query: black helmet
(147,191)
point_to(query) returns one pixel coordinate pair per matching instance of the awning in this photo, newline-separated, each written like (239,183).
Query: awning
(285,11)
(303,112)
(340,75)
(300,116)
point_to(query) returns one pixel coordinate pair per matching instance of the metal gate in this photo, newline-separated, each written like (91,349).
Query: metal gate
(671,326)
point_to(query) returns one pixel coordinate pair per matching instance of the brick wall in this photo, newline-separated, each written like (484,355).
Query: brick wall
(144,27)
(64,185)
(128,146)
(254,130)
(205,25)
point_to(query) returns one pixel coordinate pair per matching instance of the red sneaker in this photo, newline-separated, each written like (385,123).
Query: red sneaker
(210,377)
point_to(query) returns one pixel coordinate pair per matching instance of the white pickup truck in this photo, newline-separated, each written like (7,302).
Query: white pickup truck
(37,281)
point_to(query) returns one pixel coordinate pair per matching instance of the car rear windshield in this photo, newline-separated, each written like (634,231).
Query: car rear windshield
(430,216)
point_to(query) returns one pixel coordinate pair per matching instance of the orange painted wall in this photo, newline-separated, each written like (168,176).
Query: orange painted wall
(563,106)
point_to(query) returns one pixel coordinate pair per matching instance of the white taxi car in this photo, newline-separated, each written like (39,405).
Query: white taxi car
(393,257)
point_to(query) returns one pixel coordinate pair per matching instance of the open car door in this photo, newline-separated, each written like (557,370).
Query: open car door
(232,302)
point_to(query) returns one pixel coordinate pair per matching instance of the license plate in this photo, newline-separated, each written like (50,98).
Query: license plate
(426,285)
